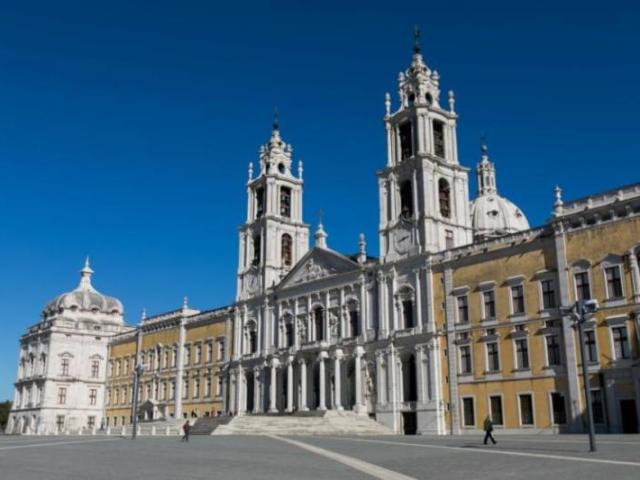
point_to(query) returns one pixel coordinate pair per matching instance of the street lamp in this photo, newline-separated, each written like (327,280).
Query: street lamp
(581,310)
(137,372)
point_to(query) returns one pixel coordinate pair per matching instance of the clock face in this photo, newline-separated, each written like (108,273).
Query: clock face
(252,282)
(403,241)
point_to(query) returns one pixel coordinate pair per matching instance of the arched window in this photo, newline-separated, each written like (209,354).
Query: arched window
(257,246)
(438,139)
(286,247)
(411,99)
(253,341)
(288,332)
(354,319)
(407,313)
(406,199)
(318,321)
(429,98)
(285,202)
(259,202)
(444,196)
(406,141)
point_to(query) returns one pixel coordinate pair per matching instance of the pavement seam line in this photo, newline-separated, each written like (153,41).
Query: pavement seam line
(499,452)
(48,444)
(365,467)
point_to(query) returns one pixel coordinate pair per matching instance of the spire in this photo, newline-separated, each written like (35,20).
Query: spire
(85,276)
(486,170)
(320,235)
(416,39)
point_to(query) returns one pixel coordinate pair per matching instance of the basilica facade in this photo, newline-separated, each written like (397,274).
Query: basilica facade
(464,314)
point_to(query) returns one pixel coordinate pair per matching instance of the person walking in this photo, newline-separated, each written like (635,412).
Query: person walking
(488,428)
(185,428)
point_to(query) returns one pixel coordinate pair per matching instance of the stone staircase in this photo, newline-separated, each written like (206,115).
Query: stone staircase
(330,422)
(206,425)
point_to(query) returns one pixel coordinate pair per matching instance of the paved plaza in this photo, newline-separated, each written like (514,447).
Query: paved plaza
(317,458)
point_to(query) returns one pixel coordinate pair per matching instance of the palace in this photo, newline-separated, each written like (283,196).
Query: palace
(464,314)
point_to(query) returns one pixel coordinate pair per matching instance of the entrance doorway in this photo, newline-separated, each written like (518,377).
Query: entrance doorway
(409,423)
(250,392)
(409,379)
(629,416)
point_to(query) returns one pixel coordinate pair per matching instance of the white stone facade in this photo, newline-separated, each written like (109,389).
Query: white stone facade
(63,361)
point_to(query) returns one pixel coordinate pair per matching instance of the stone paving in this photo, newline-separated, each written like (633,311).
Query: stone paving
(301,457)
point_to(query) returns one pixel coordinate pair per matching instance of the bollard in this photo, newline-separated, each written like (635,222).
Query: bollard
(93,431)
(108,430)
(80,431)
(123,432)
(167,431)
(153,430)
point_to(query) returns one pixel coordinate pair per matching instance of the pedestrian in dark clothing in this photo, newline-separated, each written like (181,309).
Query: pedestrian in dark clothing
(185,428)
(488,428)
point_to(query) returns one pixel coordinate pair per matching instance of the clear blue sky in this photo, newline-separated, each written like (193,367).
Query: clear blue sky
(126,128)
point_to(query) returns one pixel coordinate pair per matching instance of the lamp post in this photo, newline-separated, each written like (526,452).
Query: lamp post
(580,310)
(137,372)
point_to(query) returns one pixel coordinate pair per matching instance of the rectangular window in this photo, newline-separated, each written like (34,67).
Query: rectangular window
(597,404)
(285,202)
(406,141)
(93,396)
(221,350)
(64,367)
(558,409)
(207,386)
(548,294)
(463,309)
(198,355)
(257,249)
(522,353)
(496,409)
(526,409)
(209,352)
(493,357)
(406,199)
(438,139)
(620,342)
(288,333)
(583,291)
(219,386)
(62,395)
(465,359)
(196,387)
(60,423)
(185,388)
(468,412)
(614,282)
(517,299)
(95,368)
(187,354)
(407,313)
(174,357)
(91,422)
(591,347)
(489,299)
(553,350)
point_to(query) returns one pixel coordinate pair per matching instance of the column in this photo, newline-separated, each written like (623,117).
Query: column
(336,373)
(418,304)
(326,326)
(296,327)
(274,387)
(290,384)
(322,404)
(179,372)
(359,407)
(303,385)
(635,275)
(362,318)
(421,372)
(380,376)
(241,391)
(394,310)
(382,323)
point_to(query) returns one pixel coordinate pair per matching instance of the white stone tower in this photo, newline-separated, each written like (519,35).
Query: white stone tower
(424,192)
(274,236)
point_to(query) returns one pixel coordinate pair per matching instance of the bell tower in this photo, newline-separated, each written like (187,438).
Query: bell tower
(274,237)
(424,191)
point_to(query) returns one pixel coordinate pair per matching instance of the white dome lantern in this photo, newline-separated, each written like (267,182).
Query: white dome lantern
(493,215)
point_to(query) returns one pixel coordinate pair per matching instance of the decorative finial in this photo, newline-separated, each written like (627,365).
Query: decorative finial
(143,317)
(320,235)
(85,275)
(416,39)
(387,104)
(300,169)
(557,205)
(276,119)
(185,302)
(452,102)
(250,171)
(362,249)
(320,215)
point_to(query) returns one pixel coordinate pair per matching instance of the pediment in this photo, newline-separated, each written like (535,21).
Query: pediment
(318,263)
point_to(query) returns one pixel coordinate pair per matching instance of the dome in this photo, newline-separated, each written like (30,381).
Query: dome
(491,214)
(85,298)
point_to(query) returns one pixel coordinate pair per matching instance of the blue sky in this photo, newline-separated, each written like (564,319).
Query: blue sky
(126,128)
